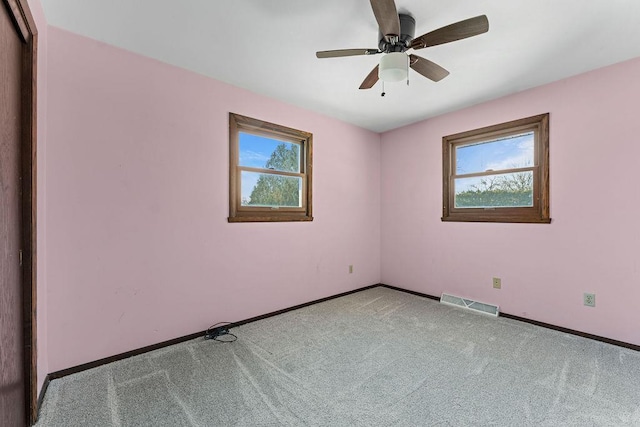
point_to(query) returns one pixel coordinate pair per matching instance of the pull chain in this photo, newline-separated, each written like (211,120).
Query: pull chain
(408,59)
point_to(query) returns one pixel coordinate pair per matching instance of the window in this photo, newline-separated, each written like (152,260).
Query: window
(498,174)
(269,172)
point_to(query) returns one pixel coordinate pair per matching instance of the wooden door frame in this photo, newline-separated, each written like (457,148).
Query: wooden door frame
(25,25)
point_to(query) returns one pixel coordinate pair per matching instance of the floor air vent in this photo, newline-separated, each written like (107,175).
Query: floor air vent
(480,307)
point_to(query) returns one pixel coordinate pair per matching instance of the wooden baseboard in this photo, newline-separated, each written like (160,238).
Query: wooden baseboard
(43,391)
(90,365)
(297,307)
(420,294)
(537,323)
(573,332)
(126,355)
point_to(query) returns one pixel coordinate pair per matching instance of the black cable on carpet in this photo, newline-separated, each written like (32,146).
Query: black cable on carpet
(215,333)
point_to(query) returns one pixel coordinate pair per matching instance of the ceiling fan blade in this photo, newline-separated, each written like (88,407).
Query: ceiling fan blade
(429,69)
(458,31)
(371,79)
(345,52)
(387,16)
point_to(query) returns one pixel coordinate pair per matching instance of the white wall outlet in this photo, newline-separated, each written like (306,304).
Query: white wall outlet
(497,283)
(351,269)
(589,300)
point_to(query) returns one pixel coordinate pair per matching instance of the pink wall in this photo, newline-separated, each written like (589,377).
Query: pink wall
(137,249)
(41,305)
(138,246)
(592,245)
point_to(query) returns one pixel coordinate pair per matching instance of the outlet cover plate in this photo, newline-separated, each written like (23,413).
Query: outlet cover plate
(497,283)
(589,299)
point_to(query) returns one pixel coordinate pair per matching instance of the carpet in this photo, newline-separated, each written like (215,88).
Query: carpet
(379,357)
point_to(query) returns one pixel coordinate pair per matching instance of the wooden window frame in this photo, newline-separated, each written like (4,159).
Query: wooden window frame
(239,213)
(539,212)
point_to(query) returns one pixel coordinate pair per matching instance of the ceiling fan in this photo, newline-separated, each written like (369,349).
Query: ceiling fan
(396,37)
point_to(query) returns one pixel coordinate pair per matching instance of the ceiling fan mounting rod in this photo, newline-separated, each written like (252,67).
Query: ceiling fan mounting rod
(393,43)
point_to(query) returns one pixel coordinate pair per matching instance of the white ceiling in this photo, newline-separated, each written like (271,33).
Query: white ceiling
(268,47)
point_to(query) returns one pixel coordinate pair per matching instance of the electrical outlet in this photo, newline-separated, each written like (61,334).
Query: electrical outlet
(350,269)
(589,300)
(497,283)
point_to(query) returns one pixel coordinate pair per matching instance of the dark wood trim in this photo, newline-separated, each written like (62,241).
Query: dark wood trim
(573,332)
(30,234)
(536,322)
(90,365)
(420,294)
(22,18)
(25,25)
(43,391)
(125,355)
(543,156)
(505,219)
(234,190)
(282,218)
(299,306)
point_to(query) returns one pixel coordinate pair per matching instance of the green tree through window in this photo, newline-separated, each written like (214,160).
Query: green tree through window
(276,190)
(503,191)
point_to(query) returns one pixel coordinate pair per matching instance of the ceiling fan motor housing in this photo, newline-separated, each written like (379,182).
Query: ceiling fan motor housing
(407,32)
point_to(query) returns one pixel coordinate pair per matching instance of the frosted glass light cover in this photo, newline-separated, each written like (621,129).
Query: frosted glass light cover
(393,67)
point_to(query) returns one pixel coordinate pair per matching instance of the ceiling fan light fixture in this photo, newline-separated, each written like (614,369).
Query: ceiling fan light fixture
(393,67)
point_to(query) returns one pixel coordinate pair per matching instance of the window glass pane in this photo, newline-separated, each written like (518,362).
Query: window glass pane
(263,189)
(261,152)
(514,151)
(493,191)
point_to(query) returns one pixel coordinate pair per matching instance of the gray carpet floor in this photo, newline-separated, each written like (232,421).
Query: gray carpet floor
(374,358)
